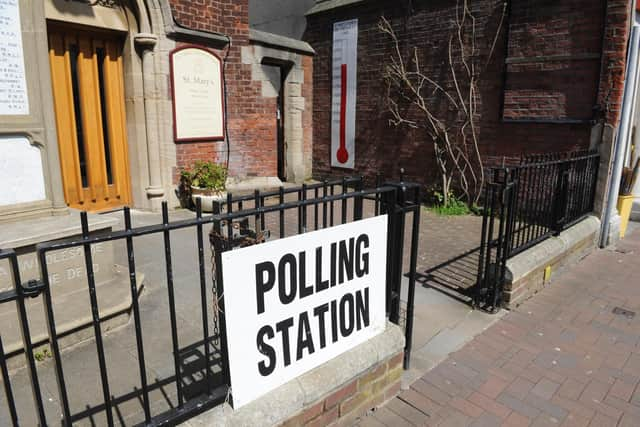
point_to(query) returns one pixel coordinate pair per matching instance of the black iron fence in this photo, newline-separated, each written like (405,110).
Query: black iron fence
(525,205)
(240,221)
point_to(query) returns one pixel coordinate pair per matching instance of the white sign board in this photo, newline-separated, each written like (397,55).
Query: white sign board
(295,303)
(198,110)
(343,104)
(20,171)
(13,83)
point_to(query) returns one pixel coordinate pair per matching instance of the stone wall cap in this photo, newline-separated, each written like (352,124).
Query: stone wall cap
(325,5)
(276,40)
(29,232)
(286,401)
(545,252)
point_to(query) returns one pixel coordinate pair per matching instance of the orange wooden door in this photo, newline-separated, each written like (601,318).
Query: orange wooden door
(88,93)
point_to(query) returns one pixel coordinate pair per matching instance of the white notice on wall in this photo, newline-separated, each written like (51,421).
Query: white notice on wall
(295,303)
(13,85)
(20,171)
(343,106)
(197,94)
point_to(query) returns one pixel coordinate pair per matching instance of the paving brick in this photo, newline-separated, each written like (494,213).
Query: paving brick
(516,420)
(390,418)
(601,420)
(595,391)
(571,389)
(489,405)
(629,421)
(622,390)
(493,386)
(419,402)
(545,388)
(408,412)
(575,420)
(519,406)
(431,391)
(573,406)
(554,411)
(486,420)
(520,387)
(466,407)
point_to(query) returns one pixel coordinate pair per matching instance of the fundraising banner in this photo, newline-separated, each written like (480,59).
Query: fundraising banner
(343,107)
(295,303)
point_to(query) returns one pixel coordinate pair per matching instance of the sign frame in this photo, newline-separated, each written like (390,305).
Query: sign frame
(344,93)
(176,137)
(251,305)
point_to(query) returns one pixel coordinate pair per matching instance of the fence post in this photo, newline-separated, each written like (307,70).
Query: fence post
(357,201)
(560,198)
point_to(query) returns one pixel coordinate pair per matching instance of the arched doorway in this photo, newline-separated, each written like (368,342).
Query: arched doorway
(109,130)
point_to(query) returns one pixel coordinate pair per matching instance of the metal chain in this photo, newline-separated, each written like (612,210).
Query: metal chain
(215,300)
(241,243)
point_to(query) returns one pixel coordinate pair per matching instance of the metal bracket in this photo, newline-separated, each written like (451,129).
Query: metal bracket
(32,288)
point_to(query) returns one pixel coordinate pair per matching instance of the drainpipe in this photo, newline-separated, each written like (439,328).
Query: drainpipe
(622,140)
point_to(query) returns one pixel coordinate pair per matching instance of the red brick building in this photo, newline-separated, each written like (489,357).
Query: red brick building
(95,103)
(257,66)
(554,82)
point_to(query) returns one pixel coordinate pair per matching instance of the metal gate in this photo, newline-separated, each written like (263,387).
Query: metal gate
(527,204)
(239,221)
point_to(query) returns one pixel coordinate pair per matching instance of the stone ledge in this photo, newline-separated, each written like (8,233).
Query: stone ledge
(297,395)
(326,5)
(525,271)
(279,41)
(28,232)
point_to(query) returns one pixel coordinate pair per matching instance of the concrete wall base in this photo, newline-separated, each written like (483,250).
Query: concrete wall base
(525,274)
(336,393)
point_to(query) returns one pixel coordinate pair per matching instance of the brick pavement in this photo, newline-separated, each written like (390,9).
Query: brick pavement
(564,357)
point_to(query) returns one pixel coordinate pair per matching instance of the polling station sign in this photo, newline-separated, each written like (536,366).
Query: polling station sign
(295,303)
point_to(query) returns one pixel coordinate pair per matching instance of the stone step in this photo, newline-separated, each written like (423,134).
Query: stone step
(72,314)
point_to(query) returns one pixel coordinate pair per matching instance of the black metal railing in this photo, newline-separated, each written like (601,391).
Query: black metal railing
(238,221)
(551,192)
(525,205)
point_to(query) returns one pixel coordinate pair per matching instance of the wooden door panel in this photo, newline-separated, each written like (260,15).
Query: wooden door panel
(59,57)
(115,112)
(92,119)
(88,89)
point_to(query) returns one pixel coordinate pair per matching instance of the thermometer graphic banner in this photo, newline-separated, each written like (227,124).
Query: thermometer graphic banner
(343,105)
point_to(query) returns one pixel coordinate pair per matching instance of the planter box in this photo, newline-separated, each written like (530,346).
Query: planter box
(207,197)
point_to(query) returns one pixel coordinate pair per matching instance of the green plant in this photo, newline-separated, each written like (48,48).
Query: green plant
(42,355)
(205,174)
(450,205)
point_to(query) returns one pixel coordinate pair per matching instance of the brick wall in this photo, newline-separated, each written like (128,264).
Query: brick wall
(353,400)
(251,118)
(560,90)
(553,62)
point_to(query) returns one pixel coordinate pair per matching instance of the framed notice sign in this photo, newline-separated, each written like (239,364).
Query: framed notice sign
(198,105)
(295,303)
(343,99)
(14,99)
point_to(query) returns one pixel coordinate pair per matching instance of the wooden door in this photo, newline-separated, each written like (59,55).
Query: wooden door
(88,92)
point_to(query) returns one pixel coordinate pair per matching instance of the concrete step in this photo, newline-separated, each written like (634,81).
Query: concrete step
(72,314)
